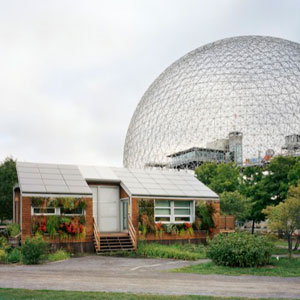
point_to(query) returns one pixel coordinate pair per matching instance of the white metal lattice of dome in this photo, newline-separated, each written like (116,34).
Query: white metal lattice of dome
(249,84)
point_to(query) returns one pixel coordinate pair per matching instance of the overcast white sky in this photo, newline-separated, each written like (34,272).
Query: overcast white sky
(72,72)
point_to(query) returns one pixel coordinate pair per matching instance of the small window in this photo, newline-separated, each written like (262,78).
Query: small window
(75,211)
(44,211)
(182,219)
(162,211)
(162,219)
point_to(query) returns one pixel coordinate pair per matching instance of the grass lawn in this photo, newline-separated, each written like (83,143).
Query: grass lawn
(282,267)
(281,247)
(21,294)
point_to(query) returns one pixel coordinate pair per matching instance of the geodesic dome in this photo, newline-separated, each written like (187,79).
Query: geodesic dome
(249,84)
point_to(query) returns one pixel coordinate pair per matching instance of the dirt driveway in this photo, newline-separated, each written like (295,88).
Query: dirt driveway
(97,273)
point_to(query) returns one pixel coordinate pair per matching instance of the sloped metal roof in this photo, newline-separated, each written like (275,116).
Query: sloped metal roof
(161,183)
(151,183)
(36,178)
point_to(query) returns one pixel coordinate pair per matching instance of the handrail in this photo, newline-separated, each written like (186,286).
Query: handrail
(96,235)
(132,232)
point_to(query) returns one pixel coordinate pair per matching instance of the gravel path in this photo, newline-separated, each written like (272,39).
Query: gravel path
(100,273)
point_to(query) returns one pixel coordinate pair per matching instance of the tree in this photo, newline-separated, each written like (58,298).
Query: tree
(252,188)
(285,216)
(206,172)
(281,171)
(8,178)
(219,177)
(234,203)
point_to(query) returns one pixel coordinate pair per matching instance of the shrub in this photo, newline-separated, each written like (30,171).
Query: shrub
(3,256)
(240,250)
(14,256)
(58,255)
(33,250)
(4,244)
(13,230)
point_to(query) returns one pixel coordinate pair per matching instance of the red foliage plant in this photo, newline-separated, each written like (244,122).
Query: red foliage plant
(187,225)
(158,225)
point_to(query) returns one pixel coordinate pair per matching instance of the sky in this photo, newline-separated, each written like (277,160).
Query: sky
(72,72)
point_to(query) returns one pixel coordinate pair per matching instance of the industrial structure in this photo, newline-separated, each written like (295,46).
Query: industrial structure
(242,89)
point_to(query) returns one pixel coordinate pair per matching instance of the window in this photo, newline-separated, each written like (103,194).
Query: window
(44,211)
(173,211)
(75,211)
(162,211)
(182,211)
(56,211)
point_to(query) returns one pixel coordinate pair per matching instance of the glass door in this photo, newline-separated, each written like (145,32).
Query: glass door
(124,214)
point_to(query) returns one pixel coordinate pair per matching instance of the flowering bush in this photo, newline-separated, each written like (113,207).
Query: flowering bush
(65,227)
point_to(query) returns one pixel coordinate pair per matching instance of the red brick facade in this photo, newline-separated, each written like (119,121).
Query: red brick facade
(26,221)
(200,235)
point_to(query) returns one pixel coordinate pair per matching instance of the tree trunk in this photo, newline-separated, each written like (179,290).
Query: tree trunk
(297,243)
(290,244)
(253,226)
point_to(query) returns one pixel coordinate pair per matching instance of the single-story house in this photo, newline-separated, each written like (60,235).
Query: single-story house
(106,208)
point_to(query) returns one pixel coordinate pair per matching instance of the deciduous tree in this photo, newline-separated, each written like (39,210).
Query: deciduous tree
(8,178)
(234,203)
(285,216)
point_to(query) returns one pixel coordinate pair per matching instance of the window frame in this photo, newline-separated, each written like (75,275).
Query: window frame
(163,215)
(172,216)
(57,212)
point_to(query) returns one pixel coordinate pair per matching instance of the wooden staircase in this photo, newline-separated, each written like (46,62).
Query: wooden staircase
(114,242)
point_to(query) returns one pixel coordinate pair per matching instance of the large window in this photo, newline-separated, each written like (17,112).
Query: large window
(173,211)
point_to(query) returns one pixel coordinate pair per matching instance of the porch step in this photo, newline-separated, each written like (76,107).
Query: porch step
(113,243)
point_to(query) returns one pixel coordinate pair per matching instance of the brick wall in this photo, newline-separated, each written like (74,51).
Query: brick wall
(135,214)
(216,216)
(26,217)
(89,220)
(26,220)
(123,194)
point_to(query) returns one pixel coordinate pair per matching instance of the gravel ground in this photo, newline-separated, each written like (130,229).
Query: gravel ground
(113,274)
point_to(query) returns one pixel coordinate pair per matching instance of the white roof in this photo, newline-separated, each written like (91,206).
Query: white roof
(35,178)
(151,183)
(71,179)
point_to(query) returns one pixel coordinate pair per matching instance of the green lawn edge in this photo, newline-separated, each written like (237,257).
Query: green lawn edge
(283,267)
(23,294)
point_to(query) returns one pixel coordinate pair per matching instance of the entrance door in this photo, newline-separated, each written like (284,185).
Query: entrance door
(106,207)
(109,208)
(124,214)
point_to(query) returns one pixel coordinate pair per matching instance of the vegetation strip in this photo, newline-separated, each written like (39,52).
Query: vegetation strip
(175,251)
(283,267)
(22,294)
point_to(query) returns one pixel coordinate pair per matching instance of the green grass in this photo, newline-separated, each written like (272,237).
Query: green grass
(283,267)
(58,255)
(21,294)
(281,247)
(175,251)
(278,250)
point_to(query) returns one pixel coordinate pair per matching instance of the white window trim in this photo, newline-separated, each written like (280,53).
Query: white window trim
(56,213)
(172,215)
(163,216)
